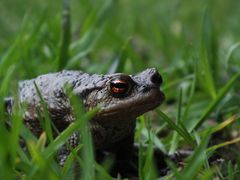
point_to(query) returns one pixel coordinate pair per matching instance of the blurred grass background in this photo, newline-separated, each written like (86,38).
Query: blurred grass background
(194,45)
(166,35)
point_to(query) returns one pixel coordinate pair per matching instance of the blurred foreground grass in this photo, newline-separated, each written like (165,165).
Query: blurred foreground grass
(194,44)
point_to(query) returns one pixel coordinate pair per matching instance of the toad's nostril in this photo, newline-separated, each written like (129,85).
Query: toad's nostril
(156,78)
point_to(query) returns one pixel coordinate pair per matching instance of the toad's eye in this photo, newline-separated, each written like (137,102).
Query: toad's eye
(120,87)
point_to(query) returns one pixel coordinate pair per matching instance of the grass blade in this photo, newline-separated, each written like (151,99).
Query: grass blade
(224,124)
(230,52)
(190,99)
(83,46)
(4,84)
(175,138)
(65,36)
(182,132)
(119,63)
(197,159)
(213,148)
(21,45)
(215,102)
(46,122)
(207,55)
(230,171)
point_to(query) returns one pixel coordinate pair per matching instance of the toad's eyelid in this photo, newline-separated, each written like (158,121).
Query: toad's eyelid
(119,81)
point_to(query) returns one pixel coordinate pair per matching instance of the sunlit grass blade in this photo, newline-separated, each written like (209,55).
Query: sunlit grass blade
(224,124)
(220,126)
(42,141)
(213,148)
(35,153)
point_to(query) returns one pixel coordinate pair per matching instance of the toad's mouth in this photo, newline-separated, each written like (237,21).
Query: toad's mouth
(134,106)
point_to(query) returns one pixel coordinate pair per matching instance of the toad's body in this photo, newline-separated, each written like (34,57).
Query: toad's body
(121,99)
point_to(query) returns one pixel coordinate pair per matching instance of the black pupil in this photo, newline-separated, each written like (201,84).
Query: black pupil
(120,85)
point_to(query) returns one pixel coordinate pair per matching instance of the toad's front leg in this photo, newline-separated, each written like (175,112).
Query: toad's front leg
(125,159)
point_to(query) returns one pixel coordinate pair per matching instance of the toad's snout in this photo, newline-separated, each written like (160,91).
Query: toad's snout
(155,78)
(149,82)
(151,78)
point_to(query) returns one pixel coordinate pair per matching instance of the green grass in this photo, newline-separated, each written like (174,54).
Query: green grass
(193,44)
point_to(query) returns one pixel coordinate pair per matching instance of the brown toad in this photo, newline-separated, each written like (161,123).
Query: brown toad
(121,98)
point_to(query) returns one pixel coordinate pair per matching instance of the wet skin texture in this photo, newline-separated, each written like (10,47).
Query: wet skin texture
(121,99)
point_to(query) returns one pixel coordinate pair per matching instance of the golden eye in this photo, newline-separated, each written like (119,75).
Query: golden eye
(121,86)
